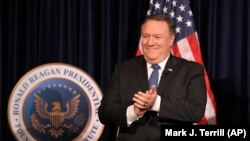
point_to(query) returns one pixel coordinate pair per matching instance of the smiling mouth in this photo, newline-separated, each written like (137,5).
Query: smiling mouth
(152,48)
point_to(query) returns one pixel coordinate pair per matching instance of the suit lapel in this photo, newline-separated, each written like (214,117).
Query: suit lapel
(168,73)
(141,72)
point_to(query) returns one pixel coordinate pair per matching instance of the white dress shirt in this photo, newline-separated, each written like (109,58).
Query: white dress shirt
(130,113)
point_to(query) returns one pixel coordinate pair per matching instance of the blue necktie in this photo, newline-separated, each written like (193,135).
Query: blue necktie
(153,80)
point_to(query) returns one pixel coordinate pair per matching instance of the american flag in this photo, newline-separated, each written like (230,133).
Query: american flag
(186,43)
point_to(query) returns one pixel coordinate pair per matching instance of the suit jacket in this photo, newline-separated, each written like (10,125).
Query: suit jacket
(183,97)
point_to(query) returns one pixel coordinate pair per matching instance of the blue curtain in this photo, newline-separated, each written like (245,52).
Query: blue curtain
(224,32)
(95,34)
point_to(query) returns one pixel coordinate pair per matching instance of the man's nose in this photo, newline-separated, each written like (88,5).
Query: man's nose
(151,41)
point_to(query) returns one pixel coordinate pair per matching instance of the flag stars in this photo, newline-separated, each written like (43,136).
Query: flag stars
(179,19)
(182,7)
(70,89)
(177,10)
(165,9)
(157,5)
(149,12)
(178,29)
(174,3)
(189,23)
(172,14)
(151,2)
(190,13)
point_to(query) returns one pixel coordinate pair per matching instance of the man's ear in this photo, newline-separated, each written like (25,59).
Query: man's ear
(171,40)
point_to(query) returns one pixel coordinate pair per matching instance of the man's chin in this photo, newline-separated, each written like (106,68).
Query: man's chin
(151,60)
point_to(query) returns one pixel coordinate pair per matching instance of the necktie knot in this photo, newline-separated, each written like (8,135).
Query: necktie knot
(155,66)
(153,80)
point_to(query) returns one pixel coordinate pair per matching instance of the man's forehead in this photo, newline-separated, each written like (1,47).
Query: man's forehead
(156,26)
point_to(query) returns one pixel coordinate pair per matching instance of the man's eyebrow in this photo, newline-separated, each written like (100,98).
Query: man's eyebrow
(153,34)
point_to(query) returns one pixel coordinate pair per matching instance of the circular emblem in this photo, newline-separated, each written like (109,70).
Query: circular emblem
(55,102)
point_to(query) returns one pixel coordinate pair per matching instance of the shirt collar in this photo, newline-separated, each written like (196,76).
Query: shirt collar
(162,64)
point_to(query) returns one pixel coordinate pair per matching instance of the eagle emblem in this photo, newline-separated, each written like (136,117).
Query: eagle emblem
(55,116)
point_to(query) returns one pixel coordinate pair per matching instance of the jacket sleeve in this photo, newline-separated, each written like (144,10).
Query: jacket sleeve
(111,110)
(186,99)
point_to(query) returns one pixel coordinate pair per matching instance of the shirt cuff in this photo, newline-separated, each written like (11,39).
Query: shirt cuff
(131,116)
(156,106)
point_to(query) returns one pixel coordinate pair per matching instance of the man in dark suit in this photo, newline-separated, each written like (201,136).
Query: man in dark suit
(139,108)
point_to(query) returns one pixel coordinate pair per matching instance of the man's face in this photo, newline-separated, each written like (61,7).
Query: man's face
(156,41)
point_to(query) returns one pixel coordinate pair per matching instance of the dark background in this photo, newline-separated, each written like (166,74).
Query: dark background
(96,34)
